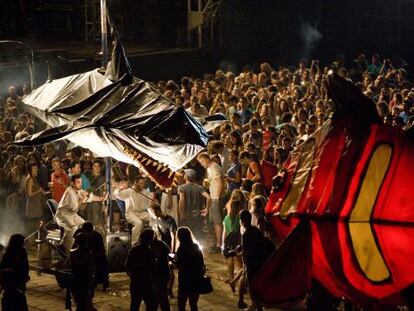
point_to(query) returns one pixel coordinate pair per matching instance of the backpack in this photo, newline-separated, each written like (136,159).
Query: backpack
(231,242)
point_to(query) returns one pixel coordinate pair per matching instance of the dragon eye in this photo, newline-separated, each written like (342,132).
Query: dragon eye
(366,249)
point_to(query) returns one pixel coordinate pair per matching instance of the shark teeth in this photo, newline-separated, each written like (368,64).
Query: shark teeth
(160,168)
(176,179)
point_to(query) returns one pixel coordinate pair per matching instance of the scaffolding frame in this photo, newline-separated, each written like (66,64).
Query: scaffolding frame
(91,20)
(202,20)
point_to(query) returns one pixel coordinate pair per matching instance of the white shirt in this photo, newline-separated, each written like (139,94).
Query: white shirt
(225,161)
(69,206)
(136,204)
(214,171)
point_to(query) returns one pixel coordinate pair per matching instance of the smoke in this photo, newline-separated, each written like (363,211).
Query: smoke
(11,222)
(226,65)
(310,37)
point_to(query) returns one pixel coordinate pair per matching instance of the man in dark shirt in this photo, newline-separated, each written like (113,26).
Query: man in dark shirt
(82,271)
(252,245)
(255,248)
(94,211)
(162,273)
(164,225)
(96,245)
(194,202)
(141,265)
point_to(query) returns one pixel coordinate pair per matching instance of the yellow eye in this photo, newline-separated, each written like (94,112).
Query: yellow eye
(366,250)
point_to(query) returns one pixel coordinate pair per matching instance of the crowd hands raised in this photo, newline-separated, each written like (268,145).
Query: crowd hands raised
(222,197)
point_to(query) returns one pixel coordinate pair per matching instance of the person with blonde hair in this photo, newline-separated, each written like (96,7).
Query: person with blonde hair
(231,241)
(237,195)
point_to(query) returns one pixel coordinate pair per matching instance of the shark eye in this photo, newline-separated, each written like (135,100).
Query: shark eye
(137,133)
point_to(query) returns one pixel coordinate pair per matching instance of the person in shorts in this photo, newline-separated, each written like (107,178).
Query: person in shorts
(215,177)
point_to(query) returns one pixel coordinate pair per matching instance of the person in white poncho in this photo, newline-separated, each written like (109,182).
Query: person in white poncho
(72,201)
(137,201)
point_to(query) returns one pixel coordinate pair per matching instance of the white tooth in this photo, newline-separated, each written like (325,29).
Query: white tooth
(164,169)
(154,164)
(159,167)
(170,174)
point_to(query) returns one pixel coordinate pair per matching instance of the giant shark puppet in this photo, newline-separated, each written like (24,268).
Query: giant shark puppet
(115,114)
(343,207)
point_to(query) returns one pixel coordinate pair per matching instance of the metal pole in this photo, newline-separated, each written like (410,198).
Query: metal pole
(104,34)
(31,69)
(212,27)
(220,19)
(104,45)
(188,23)
(200,29)
(108,176)
(86,20)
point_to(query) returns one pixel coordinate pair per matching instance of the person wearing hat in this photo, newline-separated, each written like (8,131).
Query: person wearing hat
(194,202)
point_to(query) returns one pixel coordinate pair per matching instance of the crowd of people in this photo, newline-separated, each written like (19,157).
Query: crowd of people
(222,197)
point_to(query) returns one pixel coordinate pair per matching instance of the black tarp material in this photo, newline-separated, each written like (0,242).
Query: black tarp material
(117,115)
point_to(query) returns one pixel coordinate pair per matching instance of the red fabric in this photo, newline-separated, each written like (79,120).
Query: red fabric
(392,217)
(267,139)
(253,168)
(274,283)
(268,171)
(340,163)
(328,188)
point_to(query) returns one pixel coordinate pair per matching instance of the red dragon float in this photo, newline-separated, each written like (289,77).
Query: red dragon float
(344,210)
